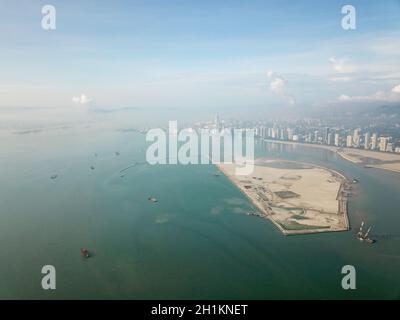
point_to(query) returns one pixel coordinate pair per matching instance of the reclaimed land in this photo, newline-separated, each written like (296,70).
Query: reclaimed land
(298,198)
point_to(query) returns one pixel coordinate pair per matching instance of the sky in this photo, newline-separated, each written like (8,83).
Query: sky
(107,55)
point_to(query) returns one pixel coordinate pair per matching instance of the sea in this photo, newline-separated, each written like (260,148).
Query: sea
(72,188)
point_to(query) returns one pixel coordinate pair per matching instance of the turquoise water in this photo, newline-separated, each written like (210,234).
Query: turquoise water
(195,243)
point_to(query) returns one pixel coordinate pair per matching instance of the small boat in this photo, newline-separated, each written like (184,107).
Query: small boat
(92,167)
(117,153)
(152,199)
(355,180)
(256,214)
(55,176)
(85,253)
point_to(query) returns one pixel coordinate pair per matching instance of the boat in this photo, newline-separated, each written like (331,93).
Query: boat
(85,253)
(92,167)
(364,237)
(55,176)
(152,199)
(256,214)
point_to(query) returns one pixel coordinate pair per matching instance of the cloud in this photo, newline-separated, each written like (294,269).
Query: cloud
(396,89)
(381,96)
(342,65)
(341,79)
(278,86)
(82,99)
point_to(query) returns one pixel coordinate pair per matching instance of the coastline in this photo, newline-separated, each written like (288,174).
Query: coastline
(356,156)
(249,197)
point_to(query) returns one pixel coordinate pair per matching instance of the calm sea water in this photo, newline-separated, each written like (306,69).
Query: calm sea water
(195,243)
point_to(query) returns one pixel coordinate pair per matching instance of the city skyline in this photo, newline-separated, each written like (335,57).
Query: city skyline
(315,133)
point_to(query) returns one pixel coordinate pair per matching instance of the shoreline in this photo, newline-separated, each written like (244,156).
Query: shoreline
(378,155)
(257,205)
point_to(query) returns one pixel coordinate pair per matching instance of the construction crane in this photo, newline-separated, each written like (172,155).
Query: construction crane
(359,234)
(364,237)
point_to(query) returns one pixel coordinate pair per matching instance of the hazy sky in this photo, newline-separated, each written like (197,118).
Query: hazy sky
(193,54)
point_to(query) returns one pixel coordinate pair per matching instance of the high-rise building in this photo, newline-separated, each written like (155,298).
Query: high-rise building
(316,134)
(337,139)
(216,121)
(374,141)
(290,133)
(383,143)
(356,137)
(349,141)
(282,135)
(325,137)
(366,140)
(329,139)
(275,133)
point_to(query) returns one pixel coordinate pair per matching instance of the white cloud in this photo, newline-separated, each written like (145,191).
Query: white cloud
(270,73)
(381,96)
(82,99)
(396,89)
(278,86)
(341,79)
(342,65)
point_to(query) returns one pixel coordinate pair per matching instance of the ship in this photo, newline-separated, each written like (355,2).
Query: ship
(85,253)
(153,199)
(256,214)
(364,237)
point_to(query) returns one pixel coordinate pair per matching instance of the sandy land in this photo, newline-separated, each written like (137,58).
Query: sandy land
(299,198)
(372,159)
(368,158)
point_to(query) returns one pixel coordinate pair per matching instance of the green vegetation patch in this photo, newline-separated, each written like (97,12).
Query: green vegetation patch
(290,226)
(286,194)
